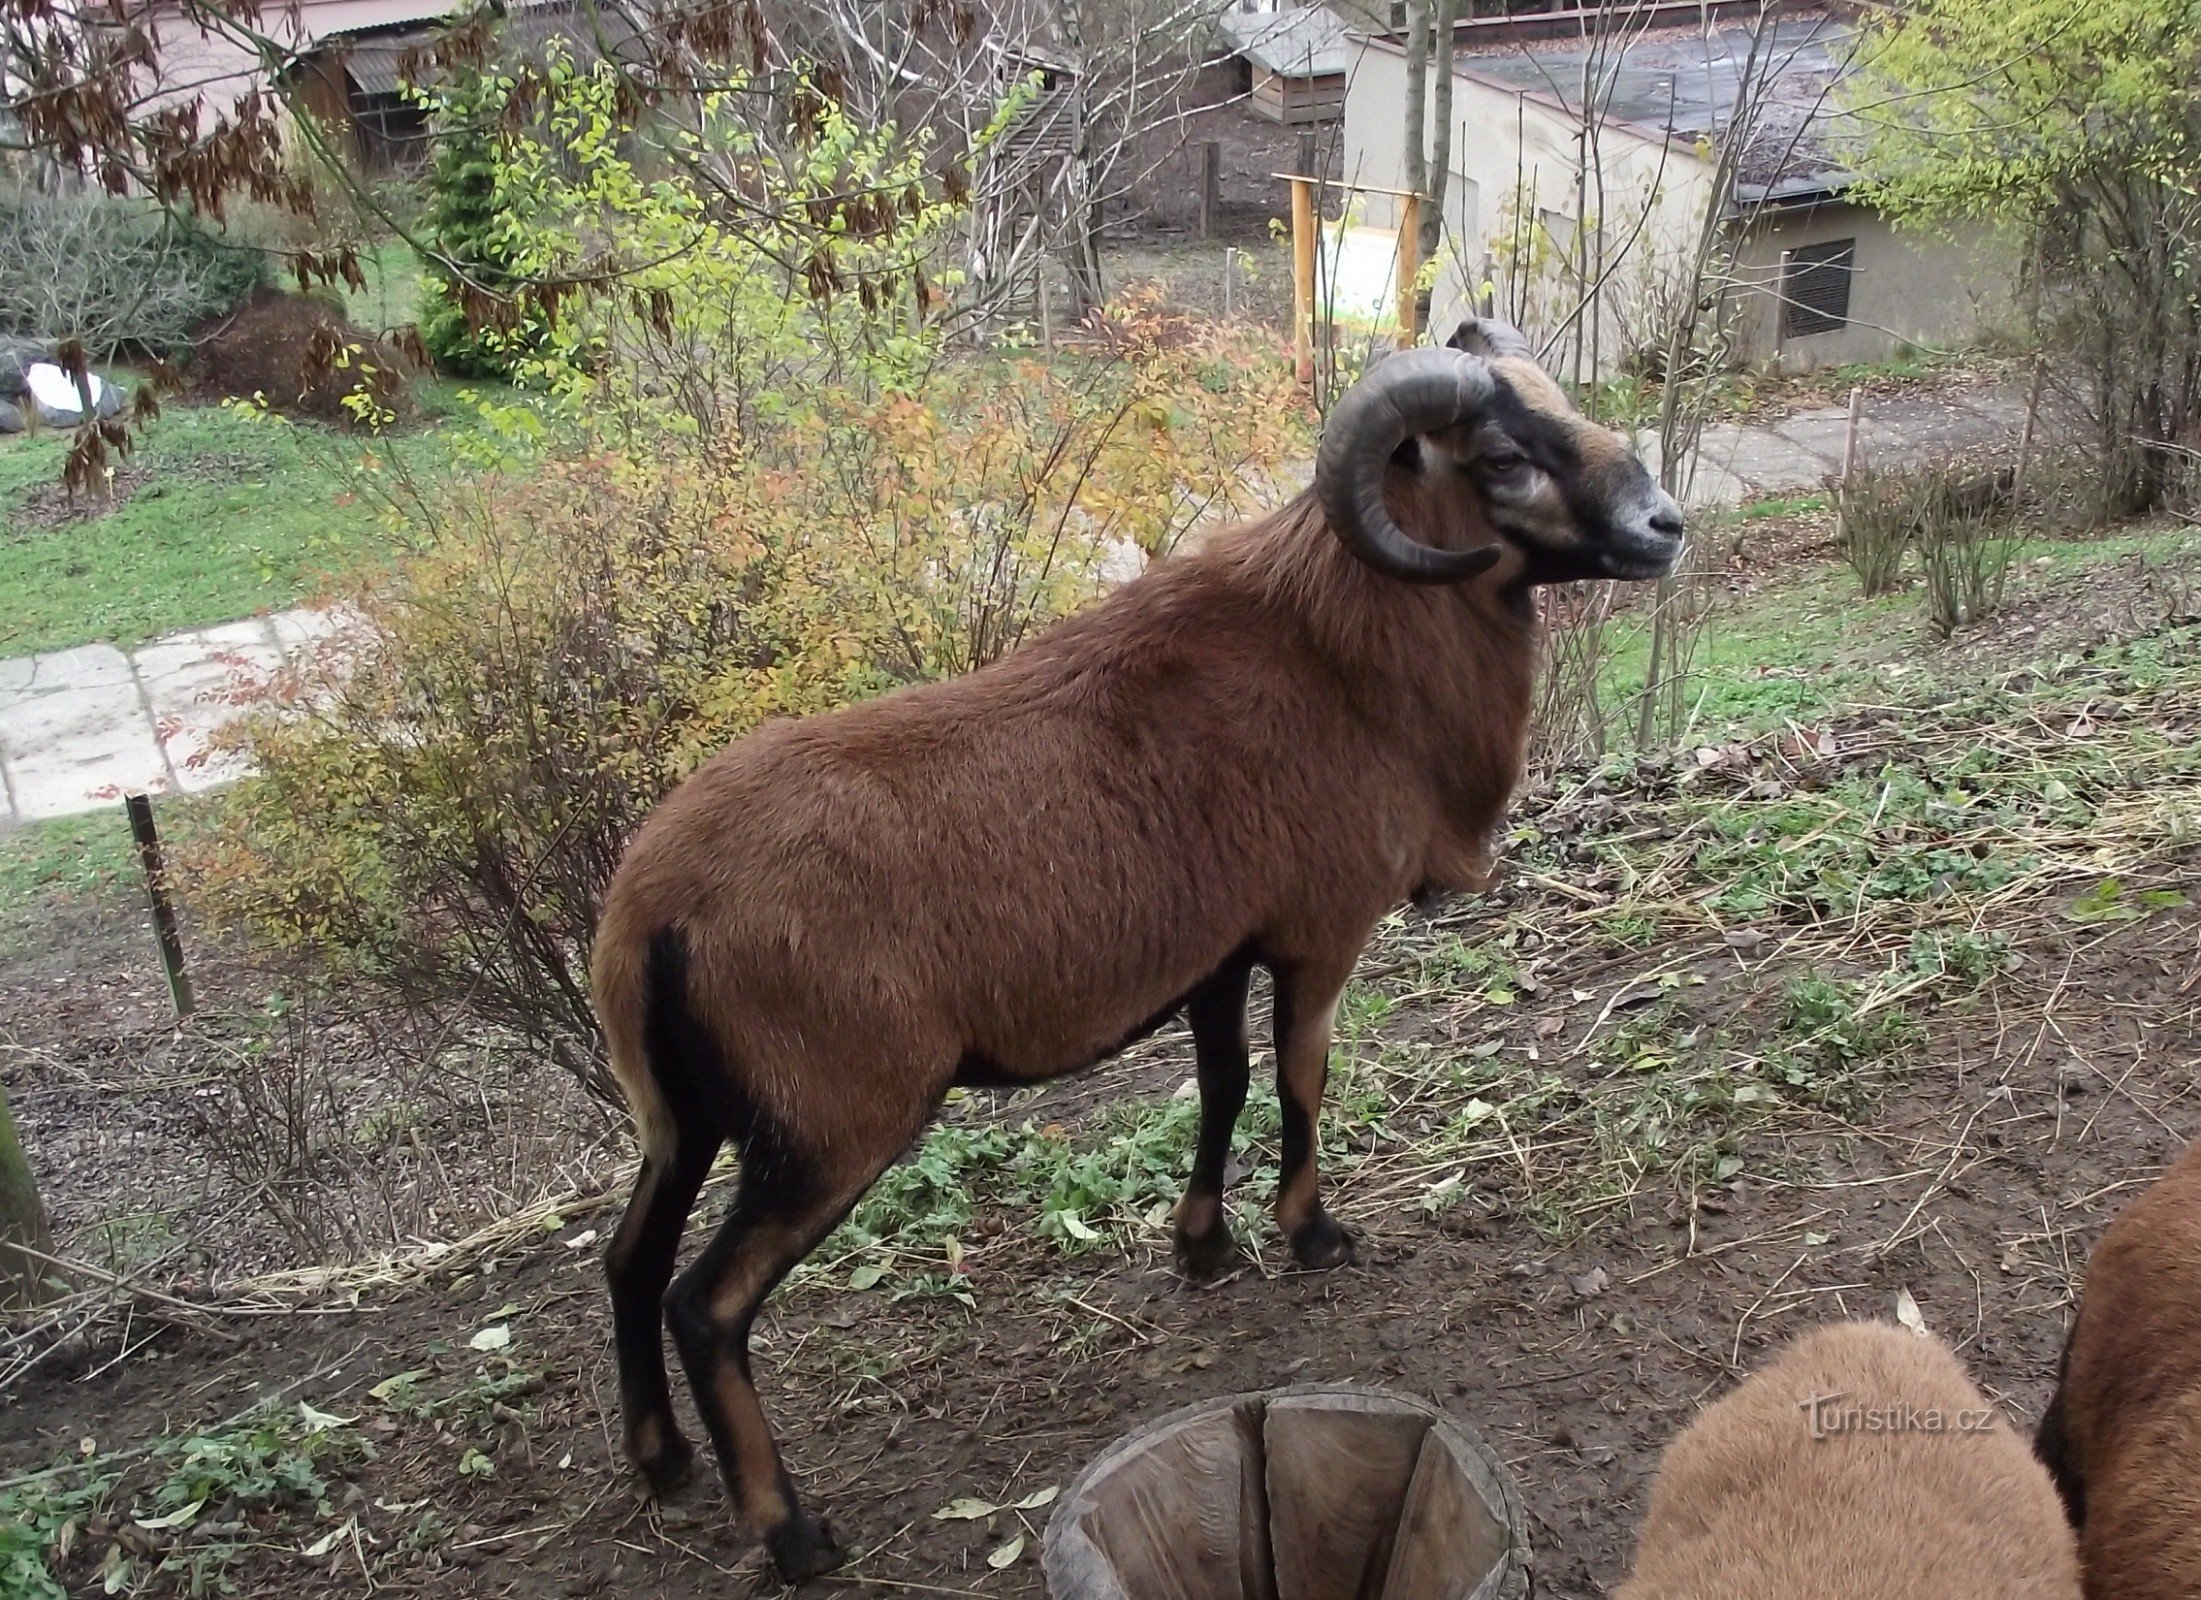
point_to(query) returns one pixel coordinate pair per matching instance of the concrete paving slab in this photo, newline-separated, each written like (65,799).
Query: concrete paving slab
(80,728)
(1818,433)
(73,750)
(88,666)
(190,697)
(295,629)
(253,632)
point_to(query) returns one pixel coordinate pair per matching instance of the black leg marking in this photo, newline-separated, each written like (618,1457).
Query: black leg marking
(639,1263)
(1217,1013)
(785,1204)
(1305,1003)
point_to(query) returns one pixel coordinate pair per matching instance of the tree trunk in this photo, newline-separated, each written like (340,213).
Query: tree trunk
(1439,167)
(1417,97)
(22,1220)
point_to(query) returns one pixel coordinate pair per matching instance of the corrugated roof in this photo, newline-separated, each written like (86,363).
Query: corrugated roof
(1688,82)
(1306,42)
(376,58)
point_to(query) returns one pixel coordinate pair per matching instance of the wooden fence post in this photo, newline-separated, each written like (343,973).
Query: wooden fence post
(1409,265)
(140,809)
(1849,460)
(1303,243)
(1211,185)
(2025,439)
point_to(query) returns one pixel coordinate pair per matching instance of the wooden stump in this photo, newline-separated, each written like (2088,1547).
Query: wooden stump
(1311,1493)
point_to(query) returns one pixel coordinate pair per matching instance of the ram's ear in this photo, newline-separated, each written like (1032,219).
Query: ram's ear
(1489,338)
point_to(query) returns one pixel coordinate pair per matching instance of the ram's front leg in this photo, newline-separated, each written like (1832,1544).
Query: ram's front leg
(1217,1013)
(1306,1003)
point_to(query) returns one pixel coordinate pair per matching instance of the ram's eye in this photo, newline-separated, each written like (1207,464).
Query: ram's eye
(1503,462)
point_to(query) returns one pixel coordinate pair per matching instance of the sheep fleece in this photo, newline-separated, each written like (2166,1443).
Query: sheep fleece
(1748,1505)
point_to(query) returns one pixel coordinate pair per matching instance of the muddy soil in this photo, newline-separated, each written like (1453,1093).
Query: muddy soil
(1976,1186)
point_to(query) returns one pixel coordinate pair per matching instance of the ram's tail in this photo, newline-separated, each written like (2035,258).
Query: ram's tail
(623,976)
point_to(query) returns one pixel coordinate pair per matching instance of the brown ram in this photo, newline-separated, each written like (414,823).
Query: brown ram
(1861,1461)
(1244,758)
(2123,1432)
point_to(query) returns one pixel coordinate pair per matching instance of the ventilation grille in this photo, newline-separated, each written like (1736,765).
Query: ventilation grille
(1815,291)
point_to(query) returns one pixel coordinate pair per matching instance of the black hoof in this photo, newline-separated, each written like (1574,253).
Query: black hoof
(1319,1244)
(1207,1256)
(802,1549)
(670,1470)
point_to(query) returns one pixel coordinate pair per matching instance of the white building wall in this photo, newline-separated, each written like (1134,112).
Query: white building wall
(1909,287)
(1515,203)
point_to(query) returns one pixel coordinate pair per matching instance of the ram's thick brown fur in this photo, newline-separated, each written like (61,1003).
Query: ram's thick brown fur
(1748,1505)
(1243,758)
(2123,1432)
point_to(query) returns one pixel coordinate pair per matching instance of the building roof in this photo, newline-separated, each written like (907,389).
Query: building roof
(1305,42)
(383,58)
(1688,82)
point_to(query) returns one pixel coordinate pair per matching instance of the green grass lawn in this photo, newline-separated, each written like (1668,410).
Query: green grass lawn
(1810,647)
(46,866)
(228,515)
(392,295)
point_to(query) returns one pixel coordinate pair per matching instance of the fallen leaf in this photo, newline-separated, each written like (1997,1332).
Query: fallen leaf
(1907,1313)
(322,1420)
(965,1510)
(1007,1554)
(1745,939)
(490,1339)
(1046,1496)
(390,1386)
(511,1308)
(1816,1238)
(1077,1227)
(179,1518)
(1546,1027)
(328,1541)
(1591,1283)
(582,1240)
(866,1276)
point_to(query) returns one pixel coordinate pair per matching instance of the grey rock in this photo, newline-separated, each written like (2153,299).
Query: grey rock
(11,418)
(17,356)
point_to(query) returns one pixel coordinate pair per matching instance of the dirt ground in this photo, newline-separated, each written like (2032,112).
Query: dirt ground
(1572,1300)
(1975,1187)
(1593,1181)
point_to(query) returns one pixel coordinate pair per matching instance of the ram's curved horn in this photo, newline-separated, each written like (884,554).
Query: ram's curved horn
(1413,392)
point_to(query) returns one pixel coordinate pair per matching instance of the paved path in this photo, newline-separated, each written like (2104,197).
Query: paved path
(81,728)
(1740,463)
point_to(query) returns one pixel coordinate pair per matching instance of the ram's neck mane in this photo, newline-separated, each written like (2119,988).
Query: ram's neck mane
(1450,668)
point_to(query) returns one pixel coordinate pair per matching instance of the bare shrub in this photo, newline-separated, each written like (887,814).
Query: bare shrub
(113,273)
(1877,515)
(442,796)
(1964,551)
(356,1133)
(1575,702)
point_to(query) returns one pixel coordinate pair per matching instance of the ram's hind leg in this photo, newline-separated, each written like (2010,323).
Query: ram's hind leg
(788,1200)
(1217,1013)
(639,1263)
(1306,1002)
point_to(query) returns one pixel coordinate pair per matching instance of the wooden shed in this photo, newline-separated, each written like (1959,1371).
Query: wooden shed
(1296,59)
